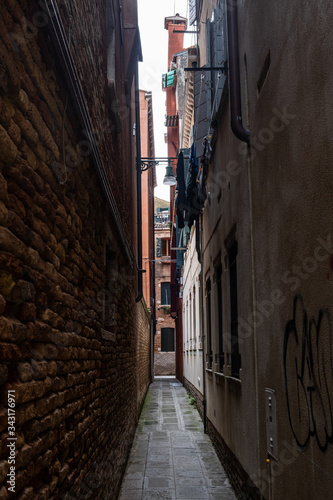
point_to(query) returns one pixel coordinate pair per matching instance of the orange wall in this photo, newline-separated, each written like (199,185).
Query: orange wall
(147,191)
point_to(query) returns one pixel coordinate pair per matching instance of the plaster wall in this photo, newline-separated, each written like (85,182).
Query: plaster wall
(276,196)
(291,177)
(192,316)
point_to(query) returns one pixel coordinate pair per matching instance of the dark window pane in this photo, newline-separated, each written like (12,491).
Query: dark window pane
(209,323)
(220,315)
(167,339)
(165,294)
(235,356)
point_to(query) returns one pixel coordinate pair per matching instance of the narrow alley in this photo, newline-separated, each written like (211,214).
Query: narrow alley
(172,458)
(166,250)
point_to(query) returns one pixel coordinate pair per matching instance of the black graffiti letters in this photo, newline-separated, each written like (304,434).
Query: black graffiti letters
(308,372)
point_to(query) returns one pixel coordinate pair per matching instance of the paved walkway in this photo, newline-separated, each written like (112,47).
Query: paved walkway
(172,458)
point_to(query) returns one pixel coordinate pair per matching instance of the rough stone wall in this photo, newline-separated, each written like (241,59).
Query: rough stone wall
(75,379)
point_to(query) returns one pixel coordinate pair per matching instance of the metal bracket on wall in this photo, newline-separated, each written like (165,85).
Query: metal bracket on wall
(147,163)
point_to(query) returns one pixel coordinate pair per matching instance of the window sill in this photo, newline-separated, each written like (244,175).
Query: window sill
(220,378)
(233,383)
(209,372)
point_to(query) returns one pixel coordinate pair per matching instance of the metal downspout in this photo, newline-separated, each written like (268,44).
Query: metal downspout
(138,180)
(204,404)
(234,74)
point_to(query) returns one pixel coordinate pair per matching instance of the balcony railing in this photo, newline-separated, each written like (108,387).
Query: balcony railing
(171,120)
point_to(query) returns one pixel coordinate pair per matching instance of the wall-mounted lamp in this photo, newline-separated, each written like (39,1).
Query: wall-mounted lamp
(169,179)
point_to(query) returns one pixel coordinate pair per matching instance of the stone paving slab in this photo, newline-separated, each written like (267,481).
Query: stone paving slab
(171,457)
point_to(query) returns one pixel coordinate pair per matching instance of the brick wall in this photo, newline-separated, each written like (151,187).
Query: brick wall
(143,350)
(164,363)
(75,378)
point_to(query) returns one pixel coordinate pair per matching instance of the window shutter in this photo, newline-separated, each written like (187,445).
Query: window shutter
(218,54)
(192,8)
(202,100)
(158,247)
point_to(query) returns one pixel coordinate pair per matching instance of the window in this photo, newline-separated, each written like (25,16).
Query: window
(165,245)
(235,356)
(167,340)
(218,272)
(162,247)
(209,323)
(194,335)
(165,294)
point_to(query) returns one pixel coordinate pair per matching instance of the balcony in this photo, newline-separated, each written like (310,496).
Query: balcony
(171,120)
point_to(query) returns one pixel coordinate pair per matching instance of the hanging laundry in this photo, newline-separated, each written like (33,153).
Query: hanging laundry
(192,207)
(204,162)
(181,196)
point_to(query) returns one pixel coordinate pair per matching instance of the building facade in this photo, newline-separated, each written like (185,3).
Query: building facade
(175,25)
(164,344)
(75,345)
(265,245)
(148,183)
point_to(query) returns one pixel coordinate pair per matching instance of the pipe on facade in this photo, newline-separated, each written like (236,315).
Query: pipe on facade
(138,181)
(204,403)
(234,74)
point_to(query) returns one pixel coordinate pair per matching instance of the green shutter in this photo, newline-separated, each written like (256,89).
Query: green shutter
(168,78)
(158,247)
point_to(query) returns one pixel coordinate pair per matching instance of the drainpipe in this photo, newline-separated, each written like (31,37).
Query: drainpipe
(234,74)
(138,180)
(204,404)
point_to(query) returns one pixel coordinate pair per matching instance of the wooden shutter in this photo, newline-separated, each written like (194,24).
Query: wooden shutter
(218,54)
(158,247)
(192,11)
(202,98)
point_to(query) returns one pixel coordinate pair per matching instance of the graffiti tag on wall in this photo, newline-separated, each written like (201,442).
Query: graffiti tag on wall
(308,372)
